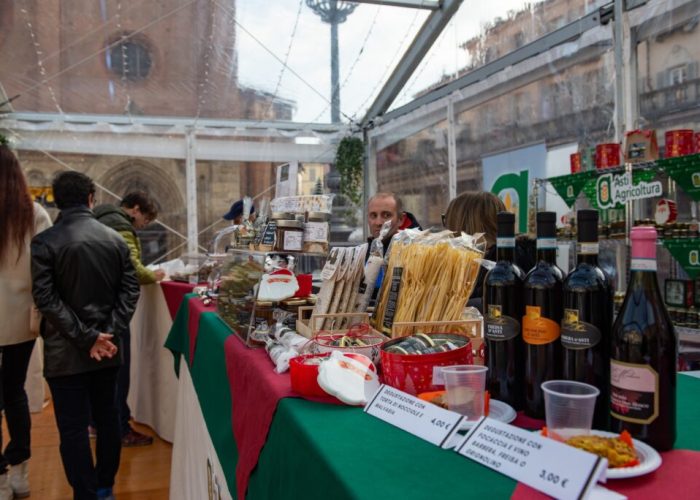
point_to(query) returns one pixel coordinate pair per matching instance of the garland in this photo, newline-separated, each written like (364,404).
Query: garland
(348,161)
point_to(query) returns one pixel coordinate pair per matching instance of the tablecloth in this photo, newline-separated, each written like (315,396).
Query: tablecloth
(315,450)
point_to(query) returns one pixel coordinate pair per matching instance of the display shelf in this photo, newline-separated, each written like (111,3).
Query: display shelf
(238,301)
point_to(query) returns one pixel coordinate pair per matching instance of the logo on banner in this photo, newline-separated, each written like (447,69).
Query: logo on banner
(694,258)
(617,189)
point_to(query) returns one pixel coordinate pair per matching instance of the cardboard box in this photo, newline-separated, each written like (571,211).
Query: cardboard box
(641,146)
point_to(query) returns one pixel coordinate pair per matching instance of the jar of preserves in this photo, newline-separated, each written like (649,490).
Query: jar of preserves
(317,232)
(289,236)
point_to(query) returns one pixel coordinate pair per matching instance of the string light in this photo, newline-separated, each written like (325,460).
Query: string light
(357,58)
(286,60)
(40,64)
(389,66)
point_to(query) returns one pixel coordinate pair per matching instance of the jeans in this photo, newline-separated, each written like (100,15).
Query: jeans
(123,384)
(13,399)
(75,398)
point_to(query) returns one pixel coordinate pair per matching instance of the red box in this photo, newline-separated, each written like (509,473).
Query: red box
(679,143)
(575,160)
(607,155)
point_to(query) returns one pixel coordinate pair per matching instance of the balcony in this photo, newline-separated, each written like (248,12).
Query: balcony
(671,100)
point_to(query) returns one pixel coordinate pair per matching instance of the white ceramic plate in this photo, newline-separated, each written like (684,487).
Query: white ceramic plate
(498,410)
(649,459)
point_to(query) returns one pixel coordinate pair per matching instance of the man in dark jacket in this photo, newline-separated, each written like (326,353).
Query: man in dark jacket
(86,289)
(135,211)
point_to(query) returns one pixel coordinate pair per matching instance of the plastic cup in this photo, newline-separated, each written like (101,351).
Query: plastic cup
(465,386)
(568,408)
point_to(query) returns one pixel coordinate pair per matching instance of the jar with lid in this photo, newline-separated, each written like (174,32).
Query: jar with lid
(317,232)
(267,239)
(289,236)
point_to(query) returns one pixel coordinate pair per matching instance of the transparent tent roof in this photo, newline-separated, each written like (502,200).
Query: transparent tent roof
(204,101)
(221,59)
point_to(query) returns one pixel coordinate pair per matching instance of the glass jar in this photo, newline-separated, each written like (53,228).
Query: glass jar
(289,236)
(317,232)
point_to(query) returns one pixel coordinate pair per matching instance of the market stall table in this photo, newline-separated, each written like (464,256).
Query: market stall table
(315,450)
(153,389)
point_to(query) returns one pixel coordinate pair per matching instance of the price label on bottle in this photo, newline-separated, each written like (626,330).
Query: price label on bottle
(422,419)
(547,465)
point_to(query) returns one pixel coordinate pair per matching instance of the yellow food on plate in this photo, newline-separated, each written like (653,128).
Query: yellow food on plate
(618,452)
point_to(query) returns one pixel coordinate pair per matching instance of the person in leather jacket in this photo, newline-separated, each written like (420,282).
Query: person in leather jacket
(85,286)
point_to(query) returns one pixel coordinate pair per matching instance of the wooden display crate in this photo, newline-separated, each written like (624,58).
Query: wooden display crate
(308,324)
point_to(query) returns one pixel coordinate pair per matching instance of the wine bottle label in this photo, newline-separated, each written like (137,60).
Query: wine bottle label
(577,334)
(638,264)
(588,248)
(505,242)
(546,243)
(634,392)
(500,327)
(537,329)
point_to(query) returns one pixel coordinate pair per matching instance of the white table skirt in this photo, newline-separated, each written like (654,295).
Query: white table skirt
(153,391)
(195,466)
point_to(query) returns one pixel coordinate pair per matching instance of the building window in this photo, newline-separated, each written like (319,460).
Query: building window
(678,75)
(130,60)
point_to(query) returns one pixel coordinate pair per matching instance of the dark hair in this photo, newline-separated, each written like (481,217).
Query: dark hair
(72,189)
(17,219)
(146,204)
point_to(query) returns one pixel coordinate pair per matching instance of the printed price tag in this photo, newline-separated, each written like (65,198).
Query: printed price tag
(420,418)
(547,465)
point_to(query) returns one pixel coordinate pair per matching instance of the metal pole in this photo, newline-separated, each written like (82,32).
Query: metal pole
(335,77)
(191,192)
(451,151)
(618,40)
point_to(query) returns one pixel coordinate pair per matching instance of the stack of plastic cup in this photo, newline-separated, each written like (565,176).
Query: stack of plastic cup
(568,408)
(465,386)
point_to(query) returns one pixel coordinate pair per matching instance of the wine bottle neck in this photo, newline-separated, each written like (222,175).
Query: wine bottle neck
(587,258)
(506,253)
(547,254)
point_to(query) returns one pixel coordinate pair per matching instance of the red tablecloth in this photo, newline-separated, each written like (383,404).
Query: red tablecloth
(196,308)
(174,293)
(676,478)
(255,391)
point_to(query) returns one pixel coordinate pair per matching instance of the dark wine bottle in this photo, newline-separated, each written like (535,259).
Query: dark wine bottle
(585,327)
(543,311)
(644,354)
(503,309)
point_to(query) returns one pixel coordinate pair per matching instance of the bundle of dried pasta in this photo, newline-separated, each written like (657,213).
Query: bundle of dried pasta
(429,277)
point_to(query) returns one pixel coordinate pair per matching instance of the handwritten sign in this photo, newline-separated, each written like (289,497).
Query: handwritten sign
(547,465)
(420,418)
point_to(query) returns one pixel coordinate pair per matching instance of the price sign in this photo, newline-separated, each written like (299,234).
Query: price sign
(422,419)
(547,465)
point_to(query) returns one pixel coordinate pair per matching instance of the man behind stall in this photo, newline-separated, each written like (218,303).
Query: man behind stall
(85,286)
(135,211)
(383,207)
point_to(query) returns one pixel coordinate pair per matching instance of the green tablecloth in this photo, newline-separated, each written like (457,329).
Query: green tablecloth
(325,451)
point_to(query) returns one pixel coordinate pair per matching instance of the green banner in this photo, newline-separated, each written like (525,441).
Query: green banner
(591,188)
(569,186)
(687,253)
(685,170)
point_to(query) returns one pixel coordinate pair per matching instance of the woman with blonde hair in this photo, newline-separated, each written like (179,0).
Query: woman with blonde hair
(20,220)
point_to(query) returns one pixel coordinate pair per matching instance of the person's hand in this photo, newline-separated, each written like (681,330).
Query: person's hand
(159,274)
(103,347)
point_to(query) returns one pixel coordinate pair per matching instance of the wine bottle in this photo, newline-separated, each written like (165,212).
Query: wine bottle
(503,309)
(585,326)
(543,311)
(644,354)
